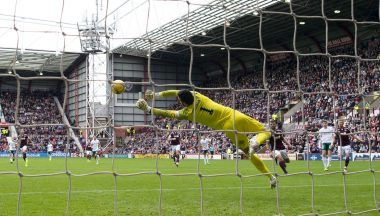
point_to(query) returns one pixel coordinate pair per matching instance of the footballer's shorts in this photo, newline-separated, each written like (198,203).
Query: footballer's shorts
(175,148)
(12,151)
(283,154)
(346,149)
(244,123)
(326,146)
(24,148)
(204,152)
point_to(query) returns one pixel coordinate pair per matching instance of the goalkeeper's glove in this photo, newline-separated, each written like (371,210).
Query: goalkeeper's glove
(149,95)
(143,105)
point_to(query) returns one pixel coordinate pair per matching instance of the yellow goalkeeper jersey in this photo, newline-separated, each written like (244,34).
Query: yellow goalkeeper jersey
(216,116)
(207,112)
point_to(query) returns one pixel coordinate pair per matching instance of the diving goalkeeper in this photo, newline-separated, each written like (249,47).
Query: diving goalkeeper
(216,116)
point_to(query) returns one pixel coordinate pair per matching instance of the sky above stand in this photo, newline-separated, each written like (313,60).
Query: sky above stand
(38,21)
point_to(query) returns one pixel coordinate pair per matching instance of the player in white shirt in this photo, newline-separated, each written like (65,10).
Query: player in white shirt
(205,145)
(95,145)
(326,142)
(12,143)
(50,149)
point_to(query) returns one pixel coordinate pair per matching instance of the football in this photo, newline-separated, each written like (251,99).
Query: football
(118,87)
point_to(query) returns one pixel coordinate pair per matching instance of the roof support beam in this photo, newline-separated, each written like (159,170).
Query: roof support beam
(220,67)
(347,31)
(241,62)
(316,42)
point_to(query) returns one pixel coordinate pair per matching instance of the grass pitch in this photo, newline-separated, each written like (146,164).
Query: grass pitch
(140,194)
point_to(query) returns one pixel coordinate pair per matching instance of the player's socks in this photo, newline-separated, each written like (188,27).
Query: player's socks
(329,161)
(26,162)
(283,166)
(324,160)
(347,161)
(24,156)
(259,164)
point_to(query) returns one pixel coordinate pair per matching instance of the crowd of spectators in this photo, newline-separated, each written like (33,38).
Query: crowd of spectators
(330,89)
(35,107)
(328,92)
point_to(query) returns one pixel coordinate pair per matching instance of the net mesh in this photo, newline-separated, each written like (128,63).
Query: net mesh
(259,12)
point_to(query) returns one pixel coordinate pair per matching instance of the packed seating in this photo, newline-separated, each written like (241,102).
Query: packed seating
(328,92)
(36,107)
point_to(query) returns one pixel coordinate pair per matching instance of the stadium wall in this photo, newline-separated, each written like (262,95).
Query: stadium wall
(8,83)
(77,98)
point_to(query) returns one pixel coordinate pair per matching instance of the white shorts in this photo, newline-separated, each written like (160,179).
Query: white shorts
(183,152)
(24,148)
(88,152)
(345,149)
(278,152)
(175,148)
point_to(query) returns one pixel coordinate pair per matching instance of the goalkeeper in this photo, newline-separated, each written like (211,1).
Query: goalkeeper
(216,116)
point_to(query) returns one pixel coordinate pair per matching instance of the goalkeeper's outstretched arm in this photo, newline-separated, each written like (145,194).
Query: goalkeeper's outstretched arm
(149,94)
(174,114)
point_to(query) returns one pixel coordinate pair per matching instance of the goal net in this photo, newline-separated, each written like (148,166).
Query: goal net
(294,62)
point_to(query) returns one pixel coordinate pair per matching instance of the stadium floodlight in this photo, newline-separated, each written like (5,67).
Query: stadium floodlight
(10,72)
(41,73)
(227,23)
(337,11)
(204,33)
(255,13)
(222,48)
(202,54)
(302,23)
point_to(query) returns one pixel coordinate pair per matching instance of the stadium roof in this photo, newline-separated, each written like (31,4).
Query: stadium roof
(31,62)
(196,22)
(206,26)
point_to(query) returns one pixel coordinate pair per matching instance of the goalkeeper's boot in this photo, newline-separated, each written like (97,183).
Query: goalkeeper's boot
(273,182)
(345,169)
